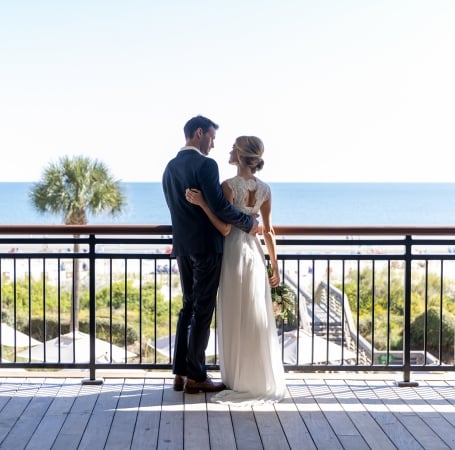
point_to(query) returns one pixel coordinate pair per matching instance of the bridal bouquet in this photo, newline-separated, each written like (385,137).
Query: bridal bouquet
(283,299)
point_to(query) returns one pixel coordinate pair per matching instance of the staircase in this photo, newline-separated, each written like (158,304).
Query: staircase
(332,331)
(332,320)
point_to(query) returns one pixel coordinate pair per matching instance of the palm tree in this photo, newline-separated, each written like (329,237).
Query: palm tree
(76,187)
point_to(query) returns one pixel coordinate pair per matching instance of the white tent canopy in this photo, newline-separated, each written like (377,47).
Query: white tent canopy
(162,345)
(11,337)
(76,348)
(318,351)
(308,350)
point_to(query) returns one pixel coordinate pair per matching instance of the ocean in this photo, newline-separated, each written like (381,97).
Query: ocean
(324,204)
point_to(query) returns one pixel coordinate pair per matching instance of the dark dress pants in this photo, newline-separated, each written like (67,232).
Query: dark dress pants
(199,276)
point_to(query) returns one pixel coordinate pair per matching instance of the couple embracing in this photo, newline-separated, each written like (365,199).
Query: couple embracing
(218,253)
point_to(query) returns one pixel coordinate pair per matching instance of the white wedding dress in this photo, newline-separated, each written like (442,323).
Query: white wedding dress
(250,357)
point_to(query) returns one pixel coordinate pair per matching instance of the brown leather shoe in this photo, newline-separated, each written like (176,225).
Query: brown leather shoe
(179,383)
(194,387)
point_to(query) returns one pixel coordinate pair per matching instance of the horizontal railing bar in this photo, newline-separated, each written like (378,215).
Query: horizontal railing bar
(279,229)
(87,229)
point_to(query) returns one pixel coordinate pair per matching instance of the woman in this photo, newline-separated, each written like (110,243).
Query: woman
(250,357)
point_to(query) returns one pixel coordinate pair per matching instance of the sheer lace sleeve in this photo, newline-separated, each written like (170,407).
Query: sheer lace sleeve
(249,195)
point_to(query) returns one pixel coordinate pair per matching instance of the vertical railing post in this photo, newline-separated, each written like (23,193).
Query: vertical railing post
(407,316)
(92,312)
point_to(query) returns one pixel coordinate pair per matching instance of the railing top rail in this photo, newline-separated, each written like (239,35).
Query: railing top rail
(279,230)
(86,229)
(367,230)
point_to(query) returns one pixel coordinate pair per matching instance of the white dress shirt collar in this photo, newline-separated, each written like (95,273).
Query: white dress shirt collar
(190,147)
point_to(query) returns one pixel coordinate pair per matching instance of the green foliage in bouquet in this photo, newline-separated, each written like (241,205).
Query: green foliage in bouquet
(284,304)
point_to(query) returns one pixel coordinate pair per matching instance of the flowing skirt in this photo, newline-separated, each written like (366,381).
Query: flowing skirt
(250,357)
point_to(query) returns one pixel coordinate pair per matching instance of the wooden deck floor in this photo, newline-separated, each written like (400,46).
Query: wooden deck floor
(321,411)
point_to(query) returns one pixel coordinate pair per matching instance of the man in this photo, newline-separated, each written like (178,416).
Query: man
(198,248)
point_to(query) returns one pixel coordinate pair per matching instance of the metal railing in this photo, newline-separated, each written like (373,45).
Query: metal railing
(101,297)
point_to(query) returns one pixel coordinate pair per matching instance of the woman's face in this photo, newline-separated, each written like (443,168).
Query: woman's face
(233,155)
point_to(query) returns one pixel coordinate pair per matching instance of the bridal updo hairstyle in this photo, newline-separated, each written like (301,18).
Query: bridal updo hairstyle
(250,150)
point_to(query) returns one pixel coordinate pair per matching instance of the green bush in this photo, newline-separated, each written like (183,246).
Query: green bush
(435,336)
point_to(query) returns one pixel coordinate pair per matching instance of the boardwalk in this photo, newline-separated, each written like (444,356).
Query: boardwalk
(141,411)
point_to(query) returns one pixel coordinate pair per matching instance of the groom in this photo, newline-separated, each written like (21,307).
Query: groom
(198,248)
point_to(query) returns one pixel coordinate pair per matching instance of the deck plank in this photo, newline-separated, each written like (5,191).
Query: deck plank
(319,412)
(125,416)
(440,420)
(196,430)
(297,434)
(79,415)
(98,428)
(35,407)
(410,419)
(359,413)
(148,419)
(321,432)
(247,436)
(170,435)
(14,406)
(339,419)
(270,429)
(221,430)
(52,421)
(376,401)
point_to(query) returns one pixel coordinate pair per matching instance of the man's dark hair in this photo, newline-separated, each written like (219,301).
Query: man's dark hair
(198,122)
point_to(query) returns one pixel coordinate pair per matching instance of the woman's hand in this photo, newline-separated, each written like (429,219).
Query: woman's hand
(274,277)
(194,196)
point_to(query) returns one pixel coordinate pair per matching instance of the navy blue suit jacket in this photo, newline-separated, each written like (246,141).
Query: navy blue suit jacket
(192,231)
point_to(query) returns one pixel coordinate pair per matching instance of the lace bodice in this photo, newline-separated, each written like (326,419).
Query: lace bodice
(249,195)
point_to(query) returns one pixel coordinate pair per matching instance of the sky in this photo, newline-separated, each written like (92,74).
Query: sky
(338,90)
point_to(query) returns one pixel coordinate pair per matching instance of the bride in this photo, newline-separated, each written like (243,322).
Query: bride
(250,357)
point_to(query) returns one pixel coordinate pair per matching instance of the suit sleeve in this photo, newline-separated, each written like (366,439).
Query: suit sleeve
(213,194)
